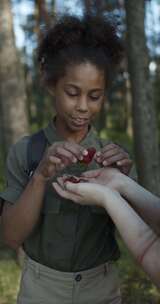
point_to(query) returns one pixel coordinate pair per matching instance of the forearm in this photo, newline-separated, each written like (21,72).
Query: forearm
(139,238)
(151,263)
(144,202)
(135,232)
(19,220)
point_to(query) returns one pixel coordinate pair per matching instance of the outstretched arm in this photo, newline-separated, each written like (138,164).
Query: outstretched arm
(146,204)
(138,236)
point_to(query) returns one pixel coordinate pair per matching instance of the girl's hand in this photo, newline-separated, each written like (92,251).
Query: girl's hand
(113,154)
(58,156)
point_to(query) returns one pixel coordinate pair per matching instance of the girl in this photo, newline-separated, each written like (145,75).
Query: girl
(70,250)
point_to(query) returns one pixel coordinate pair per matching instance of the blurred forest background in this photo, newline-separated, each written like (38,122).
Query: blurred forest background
(131,115)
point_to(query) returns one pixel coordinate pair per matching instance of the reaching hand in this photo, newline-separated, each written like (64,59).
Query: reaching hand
(111,177)
(83,193)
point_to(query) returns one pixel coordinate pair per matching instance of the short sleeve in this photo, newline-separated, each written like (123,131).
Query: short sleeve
(16,171)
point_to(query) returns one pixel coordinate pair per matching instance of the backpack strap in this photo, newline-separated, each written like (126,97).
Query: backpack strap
(35,150)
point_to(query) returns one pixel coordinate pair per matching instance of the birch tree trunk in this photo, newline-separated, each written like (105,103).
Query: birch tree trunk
(144,113)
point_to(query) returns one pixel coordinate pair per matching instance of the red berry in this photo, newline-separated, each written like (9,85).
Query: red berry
(72,179)
(88,158)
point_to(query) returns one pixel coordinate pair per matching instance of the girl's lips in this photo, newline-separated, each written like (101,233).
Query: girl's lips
(79,121)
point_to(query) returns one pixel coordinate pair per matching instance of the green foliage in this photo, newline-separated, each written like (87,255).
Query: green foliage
(9,281)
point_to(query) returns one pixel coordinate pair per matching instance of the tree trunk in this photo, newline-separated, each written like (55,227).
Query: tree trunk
(2,138)
(128,110)
(12,89)
(14,122)
(144,114)
(94,6)
(42,16)
(87,4)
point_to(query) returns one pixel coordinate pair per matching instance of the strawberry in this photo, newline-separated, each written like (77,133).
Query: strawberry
(88,158)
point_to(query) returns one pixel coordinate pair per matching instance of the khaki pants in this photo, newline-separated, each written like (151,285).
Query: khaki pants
(43,285)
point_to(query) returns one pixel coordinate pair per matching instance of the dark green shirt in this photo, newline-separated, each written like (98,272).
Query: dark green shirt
(67,237)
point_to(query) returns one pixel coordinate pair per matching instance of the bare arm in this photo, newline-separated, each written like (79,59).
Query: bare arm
(138,236)
(146,204)
(18,220)
(141,240)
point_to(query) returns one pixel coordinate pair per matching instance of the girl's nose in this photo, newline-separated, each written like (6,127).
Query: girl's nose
(82,104)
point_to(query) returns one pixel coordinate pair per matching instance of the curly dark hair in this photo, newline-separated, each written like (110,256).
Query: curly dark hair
(74,40)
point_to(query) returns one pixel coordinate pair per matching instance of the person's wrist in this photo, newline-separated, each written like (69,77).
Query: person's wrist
(104,193)
(99,195)
(38,177)
(42,173)
(109,196)
(122,183)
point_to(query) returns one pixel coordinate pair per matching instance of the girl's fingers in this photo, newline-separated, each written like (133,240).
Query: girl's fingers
(124,162)
(77,150)
(113,159)
(68,149)
(54,160)
(111,154)
(64,154)
(125,165)
(114,152)
(111,146)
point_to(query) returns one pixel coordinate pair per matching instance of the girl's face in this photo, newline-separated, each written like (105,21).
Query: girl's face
(79,96)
